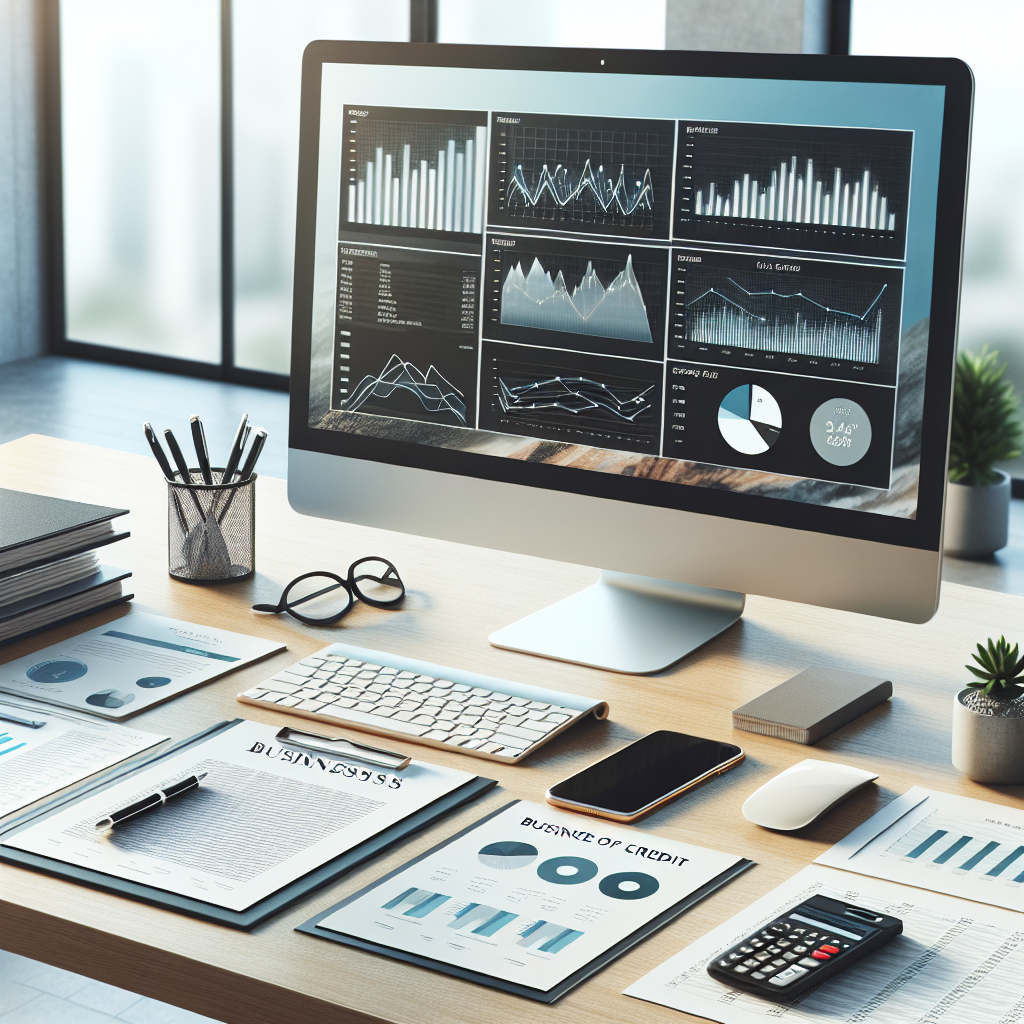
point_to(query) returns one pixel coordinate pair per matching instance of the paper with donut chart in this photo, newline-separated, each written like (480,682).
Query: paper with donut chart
(131,663)
(953,844)
(956,962)
(530,895)
(264,816)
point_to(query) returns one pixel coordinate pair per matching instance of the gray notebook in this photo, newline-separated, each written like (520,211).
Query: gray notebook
(812,704)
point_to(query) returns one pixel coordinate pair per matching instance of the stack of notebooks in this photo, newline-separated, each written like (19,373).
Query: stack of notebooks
(49,571)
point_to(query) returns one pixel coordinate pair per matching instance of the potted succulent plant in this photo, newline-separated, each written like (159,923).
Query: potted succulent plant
(986,430)
(988,716)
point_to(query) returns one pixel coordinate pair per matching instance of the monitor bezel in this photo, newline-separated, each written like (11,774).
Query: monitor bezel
(923,532)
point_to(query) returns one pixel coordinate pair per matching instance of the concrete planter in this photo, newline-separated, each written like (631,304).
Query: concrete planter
(977,518)
(987,748)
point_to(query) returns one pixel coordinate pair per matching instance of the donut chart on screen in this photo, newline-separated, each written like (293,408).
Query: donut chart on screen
(750,419)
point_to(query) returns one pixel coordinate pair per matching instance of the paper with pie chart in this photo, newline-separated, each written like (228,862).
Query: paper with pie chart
(131,663)
(750,419)
(529,895)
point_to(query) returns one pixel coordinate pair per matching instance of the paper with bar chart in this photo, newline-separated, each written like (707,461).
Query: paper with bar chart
(419,170)
(953,844)
(828,189)
(529,895)
(595,175)
(955,963)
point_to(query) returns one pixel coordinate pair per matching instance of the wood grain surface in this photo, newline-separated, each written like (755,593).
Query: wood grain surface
(457,596)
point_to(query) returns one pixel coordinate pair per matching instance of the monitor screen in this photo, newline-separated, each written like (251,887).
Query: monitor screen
(705,292)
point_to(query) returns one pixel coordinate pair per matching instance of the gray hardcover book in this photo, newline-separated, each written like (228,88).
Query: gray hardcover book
(812,704)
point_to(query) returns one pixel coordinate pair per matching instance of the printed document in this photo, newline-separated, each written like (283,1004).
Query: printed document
(133,662)
(953,844)
(530,896)
(263,816)
(955,963)
(67,749)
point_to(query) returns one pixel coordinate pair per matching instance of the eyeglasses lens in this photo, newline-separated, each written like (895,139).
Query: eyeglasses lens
(318,597)
(377,582)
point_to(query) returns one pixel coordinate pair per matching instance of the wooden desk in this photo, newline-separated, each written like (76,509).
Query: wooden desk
(458,595)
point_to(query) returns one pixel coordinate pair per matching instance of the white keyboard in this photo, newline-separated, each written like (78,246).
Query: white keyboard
(415,700)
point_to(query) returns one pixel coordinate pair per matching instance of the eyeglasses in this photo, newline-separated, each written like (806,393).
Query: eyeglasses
(327,597)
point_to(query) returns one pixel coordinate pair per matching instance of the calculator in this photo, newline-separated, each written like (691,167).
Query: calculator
(807,945)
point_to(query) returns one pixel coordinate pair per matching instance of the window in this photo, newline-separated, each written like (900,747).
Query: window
(986,34)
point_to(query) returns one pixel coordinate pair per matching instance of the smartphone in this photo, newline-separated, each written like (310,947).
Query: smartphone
(644,776)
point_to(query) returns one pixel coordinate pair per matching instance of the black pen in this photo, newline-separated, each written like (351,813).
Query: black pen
(149,803)
(158,452)
(202,452)
(254,453)
(236,450)
(183,470)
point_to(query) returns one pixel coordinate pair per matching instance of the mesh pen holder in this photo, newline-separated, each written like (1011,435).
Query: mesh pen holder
(211,535)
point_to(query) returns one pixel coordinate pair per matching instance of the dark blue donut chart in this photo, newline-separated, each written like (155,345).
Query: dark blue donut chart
(58,670)
(148,682)
(579,869)
(646,885)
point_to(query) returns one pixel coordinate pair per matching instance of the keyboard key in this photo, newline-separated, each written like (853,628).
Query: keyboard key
(425,679)
(518,701)
(365,705)
(301,670)
(406,675)
(470,744)
(404,716)
(536,705)
(343,702)
(410,705)
(256,691)
(532,735)
(421,687)
(315,661)
(383,712)
(435,734)
(426,720)
(289,677)
(309,705)
(461,688)
(360,717)
(492,748)
(511,741)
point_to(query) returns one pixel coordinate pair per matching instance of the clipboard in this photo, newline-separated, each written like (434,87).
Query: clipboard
(259,912)
(312,927)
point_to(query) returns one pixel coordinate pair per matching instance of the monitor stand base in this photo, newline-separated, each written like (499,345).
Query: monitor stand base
(625,623)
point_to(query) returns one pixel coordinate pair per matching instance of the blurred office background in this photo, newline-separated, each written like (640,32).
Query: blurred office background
(147,193)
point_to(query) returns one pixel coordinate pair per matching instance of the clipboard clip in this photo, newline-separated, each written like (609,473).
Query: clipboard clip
(338,746)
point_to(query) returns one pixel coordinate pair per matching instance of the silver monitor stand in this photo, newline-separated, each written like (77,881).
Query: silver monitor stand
(625,623)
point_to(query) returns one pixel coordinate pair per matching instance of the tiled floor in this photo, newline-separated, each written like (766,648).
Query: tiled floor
(35,993)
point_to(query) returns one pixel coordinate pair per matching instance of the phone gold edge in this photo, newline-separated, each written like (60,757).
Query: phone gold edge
(627,819)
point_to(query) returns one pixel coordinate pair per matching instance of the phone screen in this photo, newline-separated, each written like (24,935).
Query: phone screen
(645,771)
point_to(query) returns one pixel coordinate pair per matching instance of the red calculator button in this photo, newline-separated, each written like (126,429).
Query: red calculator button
(818,955)
(830,949)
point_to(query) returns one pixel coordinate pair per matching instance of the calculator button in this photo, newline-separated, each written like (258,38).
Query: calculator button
(779,963)
(735,956)
(799,949)
(776,929)
(787,977)
(808,962)
(783,943)
(830,949)
(789,956)
(762,956)
(758,975)
(724,963)
(749,963)
(768,969)
(746,949)
(774,950)
(756,943)
(740,969)
(818,955)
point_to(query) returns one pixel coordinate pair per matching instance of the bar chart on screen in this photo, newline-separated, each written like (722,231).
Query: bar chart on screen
(957,845)
(417,170)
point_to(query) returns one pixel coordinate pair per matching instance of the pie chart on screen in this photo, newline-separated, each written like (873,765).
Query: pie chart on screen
(750,419)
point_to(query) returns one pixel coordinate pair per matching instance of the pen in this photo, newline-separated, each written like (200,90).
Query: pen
(202,452)
(158,452)
(148,803)
(183,470)
(236,449)
(254,453)
(30,722)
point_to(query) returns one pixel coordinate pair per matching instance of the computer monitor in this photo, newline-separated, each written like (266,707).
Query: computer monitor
(686,317)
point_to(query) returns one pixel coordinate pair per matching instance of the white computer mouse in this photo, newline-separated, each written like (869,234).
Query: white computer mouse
(795,797)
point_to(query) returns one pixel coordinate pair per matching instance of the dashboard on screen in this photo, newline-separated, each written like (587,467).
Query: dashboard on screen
(721,284)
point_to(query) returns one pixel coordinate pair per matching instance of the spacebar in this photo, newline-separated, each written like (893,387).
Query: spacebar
(379,722)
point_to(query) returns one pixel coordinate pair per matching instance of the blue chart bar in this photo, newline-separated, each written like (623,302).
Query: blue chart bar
(973,862)
(1006,862)
(1020,877)
(933,838)
(953,850)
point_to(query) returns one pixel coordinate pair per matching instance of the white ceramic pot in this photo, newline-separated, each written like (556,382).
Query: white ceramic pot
(977,518)
(986,748)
